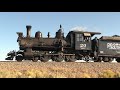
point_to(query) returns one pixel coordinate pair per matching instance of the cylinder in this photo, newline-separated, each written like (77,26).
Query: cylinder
(28,30)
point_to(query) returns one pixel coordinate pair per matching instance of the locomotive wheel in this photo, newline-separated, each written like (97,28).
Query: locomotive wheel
(70,59)
(44,59)
(19,58)
(105,59)
(96,59)
(110,59)
(67,58)
(59,59)
(87,58)
(100,59)
(118,60)
(53,58)
(35,59)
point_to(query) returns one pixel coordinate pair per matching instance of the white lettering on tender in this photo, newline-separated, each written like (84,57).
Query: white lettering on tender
(113,45)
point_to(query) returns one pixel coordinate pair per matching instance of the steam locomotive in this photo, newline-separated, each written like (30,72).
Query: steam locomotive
(77,45)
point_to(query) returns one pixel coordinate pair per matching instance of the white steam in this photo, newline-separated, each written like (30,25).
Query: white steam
(79,28)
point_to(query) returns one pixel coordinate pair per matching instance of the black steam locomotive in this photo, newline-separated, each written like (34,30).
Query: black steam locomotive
(77,45)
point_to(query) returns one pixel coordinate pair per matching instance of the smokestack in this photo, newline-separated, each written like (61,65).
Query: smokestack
(28,30)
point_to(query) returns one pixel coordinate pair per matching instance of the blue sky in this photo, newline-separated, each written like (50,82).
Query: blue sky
(108,23)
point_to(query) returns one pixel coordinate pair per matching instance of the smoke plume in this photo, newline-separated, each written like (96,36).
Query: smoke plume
(79,28)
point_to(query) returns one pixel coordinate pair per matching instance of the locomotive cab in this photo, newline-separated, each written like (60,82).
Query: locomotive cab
(81,43)
(80,40)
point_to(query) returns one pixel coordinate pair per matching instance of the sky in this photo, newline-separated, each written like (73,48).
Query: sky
(108,23)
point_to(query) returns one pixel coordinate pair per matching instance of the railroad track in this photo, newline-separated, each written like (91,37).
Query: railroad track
(52,61)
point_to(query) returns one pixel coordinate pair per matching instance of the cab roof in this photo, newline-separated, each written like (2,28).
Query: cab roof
(85,32)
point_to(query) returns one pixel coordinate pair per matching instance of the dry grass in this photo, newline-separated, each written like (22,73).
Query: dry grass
(54,74)
(109,74)
(45,73)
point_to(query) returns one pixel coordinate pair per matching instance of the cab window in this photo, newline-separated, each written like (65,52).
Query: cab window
(87,38)
(79,37)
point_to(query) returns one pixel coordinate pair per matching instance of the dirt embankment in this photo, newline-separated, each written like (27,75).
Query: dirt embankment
(27,69)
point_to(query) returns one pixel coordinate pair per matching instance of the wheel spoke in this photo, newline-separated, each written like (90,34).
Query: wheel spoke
(19,58)
(45,59)
(35,59)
